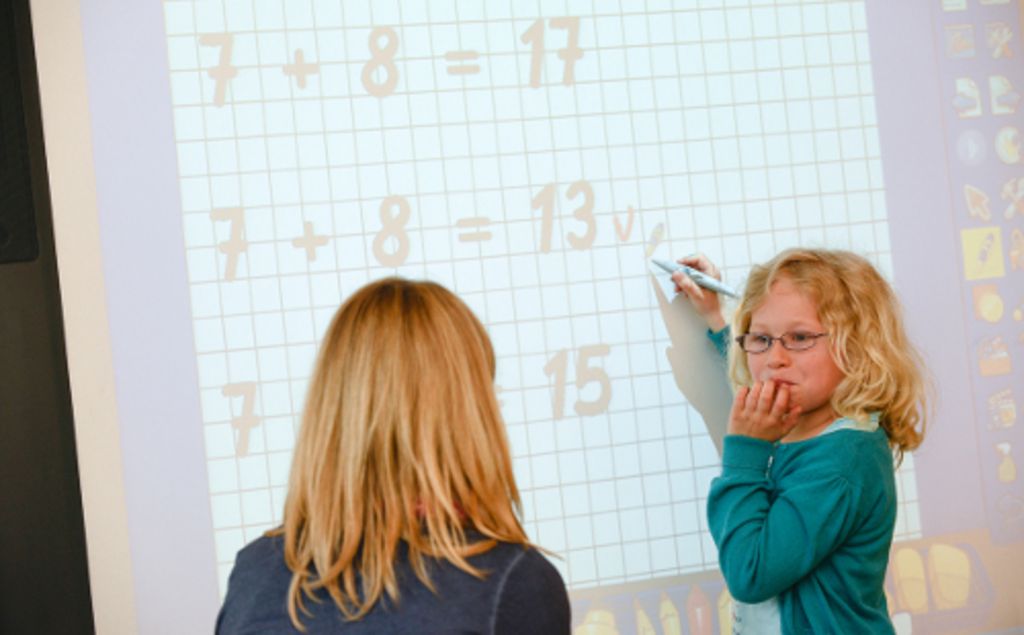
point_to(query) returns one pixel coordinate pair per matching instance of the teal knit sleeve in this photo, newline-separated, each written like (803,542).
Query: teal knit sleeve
(721,340)
(765,546)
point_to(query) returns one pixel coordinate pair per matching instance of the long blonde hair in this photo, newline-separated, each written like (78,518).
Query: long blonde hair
(402,440)
(883,372)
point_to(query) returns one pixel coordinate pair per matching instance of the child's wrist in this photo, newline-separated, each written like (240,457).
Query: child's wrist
(715,321)
(746,453)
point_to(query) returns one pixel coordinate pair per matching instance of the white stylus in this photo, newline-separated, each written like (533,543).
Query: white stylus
(702,279)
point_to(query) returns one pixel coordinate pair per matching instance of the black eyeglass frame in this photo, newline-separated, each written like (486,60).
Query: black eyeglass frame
(812,338)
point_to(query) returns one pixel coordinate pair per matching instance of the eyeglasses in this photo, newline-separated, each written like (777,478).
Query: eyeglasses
(761,342)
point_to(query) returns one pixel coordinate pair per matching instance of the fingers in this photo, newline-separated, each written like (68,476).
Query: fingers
(679,278)
(766,398)
(686,285)
(705,303)
(739,402)
(763,411)
(737,414)
(790,419)
(701,263)
(770,399)
(753,397)
(780,403)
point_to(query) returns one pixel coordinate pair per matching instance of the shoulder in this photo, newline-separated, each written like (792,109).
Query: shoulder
(263,556)
(531,595)
(859,453)
(519,592)
(844,450)
(848,461)
(257,587)
(513,564)
(526,563)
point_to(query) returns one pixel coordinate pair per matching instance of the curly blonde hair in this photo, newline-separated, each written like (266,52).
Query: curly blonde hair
(883,372)
(402,441)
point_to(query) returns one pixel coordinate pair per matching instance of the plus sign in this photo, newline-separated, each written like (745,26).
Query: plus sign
(300,68)
(309,241)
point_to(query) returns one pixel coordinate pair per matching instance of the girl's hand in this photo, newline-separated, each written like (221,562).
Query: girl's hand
(704,301)
(762,411)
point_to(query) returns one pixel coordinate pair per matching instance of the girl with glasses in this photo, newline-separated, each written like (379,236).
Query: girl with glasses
(830,394)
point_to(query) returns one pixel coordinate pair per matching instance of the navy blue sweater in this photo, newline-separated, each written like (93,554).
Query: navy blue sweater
(522,593)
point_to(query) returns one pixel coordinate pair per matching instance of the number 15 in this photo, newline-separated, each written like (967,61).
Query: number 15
(584,375)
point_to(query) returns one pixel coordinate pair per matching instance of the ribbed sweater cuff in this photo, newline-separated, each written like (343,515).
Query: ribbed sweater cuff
(745,453)
(720,339)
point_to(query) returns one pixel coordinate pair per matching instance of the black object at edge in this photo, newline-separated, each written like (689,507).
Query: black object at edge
(44,578)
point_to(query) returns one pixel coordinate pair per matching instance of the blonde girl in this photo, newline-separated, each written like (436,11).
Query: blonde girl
(402,509)
(830,392)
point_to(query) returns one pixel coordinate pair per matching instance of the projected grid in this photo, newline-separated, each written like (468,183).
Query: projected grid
(532,162)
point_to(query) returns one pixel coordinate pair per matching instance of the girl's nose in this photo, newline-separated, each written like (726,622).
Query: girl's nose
(777,354)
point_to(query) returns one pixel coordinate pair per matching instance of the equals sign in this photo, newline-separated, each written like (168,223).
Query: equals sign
(462,56)
(476,223)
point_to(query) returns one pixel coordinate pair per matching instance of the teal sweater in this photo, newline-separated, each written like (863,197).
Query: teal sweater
(810,522)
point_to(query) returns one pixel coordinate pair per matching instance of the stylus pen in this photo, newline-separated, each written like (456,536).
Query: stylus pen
(702,279)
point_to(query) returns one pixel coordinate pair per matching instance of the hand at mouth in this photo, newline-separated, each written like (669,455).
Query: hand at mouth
(763,411)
